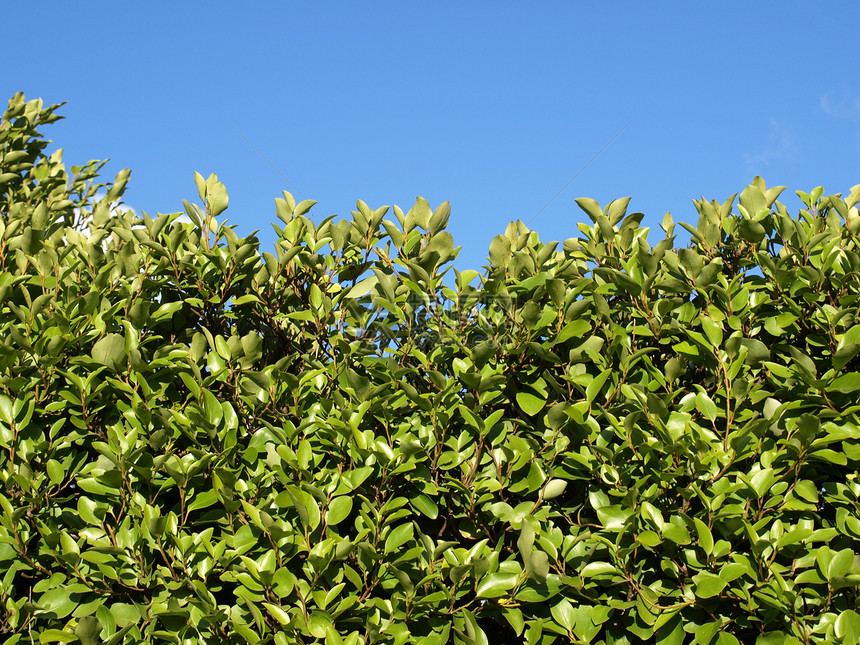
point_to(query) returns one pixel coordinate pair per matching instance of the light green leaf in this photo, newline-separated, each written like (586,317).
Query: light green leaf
(55,471)
(398,536)
(6,411)
(425,505)
(166,310)
(537,565)
(847,626)
(362,288)
(500,250)
(529,403)
(56,636)
(278,613)
(339,509)
(593,569)
(564,614)
(613,517)
(593,388)
(842,563)
(706,539)
(88,630)
(706,406)
(653,515)
(712,330)
(110,351)
(525,543)
(708,584)
(495,585)
(554,488)
(846,384)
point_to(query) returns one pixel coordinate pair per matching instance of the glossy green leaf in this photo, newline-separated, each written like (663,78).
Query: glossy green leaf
(495,585)
(362,288)
(708,584)
(110,351)
(554,488)
(339,510)
(530,403)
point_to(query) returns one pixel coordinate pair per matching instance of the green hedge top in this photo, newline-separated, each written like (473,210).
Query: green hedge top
(340,441)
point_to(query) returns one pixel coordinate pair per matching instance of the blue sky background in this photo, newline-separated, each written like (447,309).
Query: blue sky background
(494,106)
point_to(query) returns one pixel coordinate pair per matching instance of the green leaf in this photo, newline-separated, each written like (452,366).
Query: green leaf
(495,585)
(537,565)
(554,488)
(653,515)
(55,471)
(124,614)
(278,613)
(89,511)
(530,403)
(56,636)
(757,350)
(332,637)
(649,538)
(706,539)
(842,563)
(591,207)
(339,509)
(6,412)
(752,231)
(593,569)
(773,638)
(847,626)
(425,505)
(362,288)
(58,601)
(829,456)
(88,630)
(398,536)
(525,543)
(596,385)
(846,384)
(708,584)
(110,351)
(564,614)
(421,212)
(500,250)
(514,616)
(222,348)
(725,638)
(807,490)
(574,329)
(613,517)
(706,406)
(216,195)
(165,311)
(303,207)
(203,500)
(713,331)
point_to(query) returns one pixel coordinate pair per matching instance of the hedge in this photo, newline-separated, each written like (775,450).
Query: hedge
(349,440)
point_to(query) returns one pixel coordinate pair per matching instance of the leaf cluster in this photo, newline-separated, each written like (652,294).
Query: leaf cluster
(339,441)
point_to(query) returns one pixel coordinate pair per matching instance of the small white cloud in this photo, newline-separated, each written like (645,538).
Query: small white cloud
(124,208)
(842,105)
(82,224)
(781,147)
(95,199)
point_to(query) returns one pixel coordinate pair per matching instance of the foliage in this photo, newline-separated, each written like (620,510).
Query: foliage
(605,442)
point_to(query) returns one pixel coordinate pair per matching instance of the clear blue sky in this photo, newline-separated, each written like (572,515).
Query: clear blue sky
(494,106)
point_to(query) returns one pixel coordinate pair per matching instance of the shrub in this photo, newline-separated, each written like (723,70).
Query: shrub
(602,441)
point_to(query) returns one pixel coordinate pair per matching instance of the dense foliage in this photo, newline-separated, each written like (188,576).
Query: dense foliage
(602,442)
